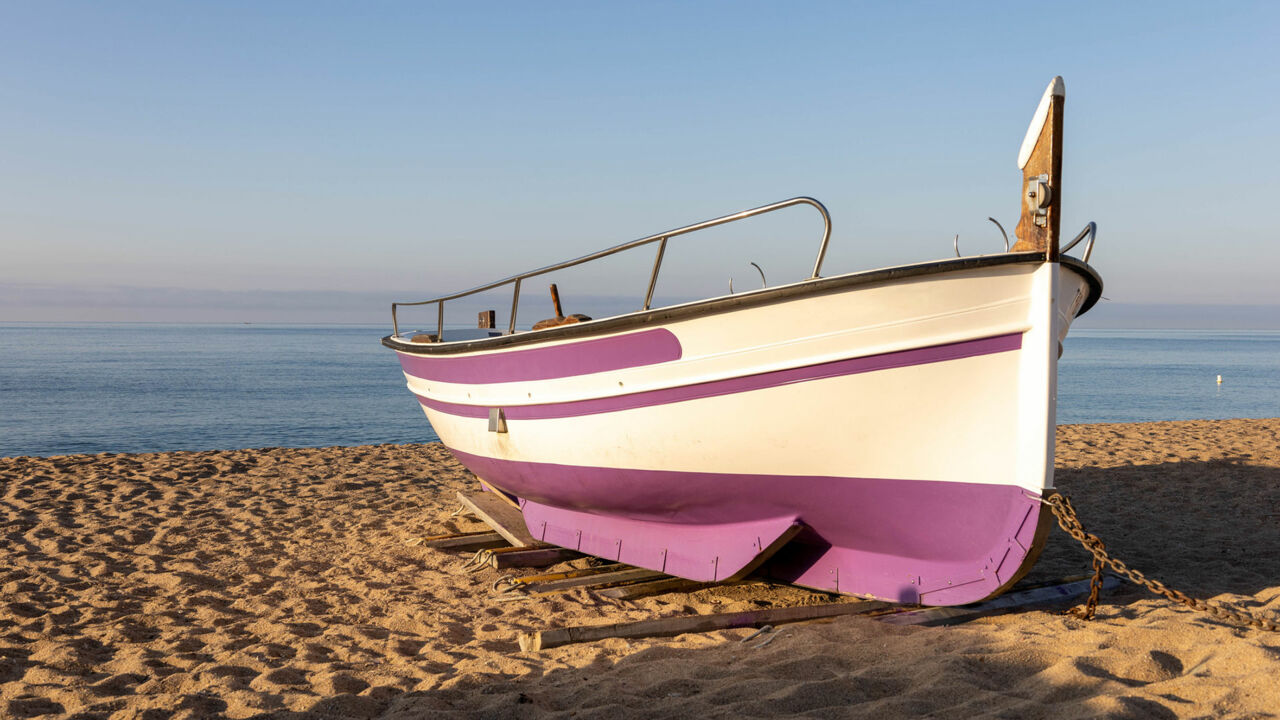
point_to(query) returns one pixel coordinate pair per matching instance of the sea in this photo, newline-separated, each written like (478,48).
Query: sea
(92,388)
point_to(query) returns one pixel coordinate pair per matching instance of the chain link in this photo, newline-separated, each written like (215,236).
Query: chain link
(1068,521)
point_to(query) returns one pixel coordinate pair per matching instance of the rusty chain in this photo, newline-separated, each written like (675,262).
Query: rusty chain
(1068,521)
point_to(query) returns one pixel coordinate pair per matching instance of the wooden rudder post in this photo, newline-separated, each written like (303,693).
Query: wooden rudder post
(1040,159)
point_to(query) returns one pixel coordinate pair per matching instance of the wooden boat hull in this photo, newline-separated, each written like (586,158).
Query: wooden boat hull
(905,418)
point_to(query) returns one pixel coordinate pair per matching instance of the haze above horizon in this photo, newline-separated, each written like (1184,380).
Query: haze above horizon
(302,156)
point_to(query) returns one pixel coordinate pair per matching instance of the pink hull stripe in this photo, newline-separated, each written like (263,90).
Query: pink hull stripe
(648,347)
(852,366)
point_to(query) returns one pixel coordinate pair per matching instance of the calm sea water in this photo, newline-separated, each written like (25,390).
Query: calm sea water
(144,387)
(1139,375)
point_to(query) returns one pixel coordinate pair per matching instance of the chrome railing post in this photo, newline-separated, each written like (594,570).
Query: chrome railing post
(653,277)
(826,237)
(1091,231)
(440,321)
(515,304)
(395,326)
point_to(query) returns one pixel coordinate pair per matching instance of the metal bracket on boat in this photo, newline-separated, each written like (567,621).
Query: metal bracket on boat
(497,420)
(1002,232)
(763,282)
(1039,197)
(955,243)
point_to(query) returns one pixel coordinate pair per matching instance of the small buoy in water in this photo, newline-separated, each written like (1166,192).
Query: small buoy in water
(1219,379)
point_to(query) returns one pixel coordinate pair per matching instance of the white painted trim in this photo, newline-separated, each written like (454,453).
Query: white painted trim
(1056,87)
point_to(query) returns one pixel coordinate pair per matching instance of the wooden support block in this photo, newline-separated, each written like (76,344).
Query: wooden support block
(605,579)
(557,322)
(500,516)
(653,587)
(467,541)
(530,557)
(560,318)
(499,494)
(664,627)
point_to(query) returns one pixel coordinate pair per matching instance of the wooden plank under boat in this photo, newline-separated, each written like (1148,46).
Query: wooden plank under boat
(901,419)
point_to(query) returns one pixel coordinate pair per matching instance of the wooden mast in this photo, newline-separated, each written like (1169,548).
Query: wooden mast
(1040,160)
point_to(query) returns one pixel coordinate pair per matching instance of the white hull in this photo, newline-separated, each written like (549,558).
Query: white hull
(870,424)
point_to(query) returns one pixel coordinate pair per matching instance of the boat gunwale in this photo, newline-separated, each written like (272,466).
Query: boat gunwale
(711,306)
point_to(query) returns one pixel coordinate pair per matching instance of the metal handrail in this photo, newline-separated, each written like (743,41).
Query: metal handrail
(1092,231)
(660,238)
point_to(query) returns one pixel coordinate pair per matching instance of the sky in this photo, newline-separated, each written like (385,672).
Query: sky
(314,161)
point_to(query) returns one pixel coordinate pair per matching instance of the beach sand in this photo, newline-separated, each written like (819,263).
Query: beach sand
(279,582)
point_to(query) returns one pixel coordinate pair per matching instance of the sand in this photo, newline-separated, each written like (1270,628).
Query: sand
(280,583)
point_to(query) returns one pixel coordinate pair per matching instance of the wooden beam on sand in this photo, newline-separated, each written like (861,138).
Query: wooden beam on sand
(1010,601)
(500,516)
(579,572)
(665,627)
(596,580)
(446,536)
(530,557)
(465,541)
(654,587)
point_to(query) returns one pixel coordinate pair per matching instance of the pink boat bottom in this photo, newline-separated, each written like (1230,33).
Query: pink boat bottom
(931,542)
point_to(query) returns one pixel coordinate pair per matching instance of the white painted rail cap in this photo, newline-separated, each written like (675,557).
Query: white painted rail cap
(1056,87)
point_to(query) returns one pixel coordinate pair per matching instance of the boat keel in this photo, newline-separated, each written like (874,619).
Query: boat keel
(705,553)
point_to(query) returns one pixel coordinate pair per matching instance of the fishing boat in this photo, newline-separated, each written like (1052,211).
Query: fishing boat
(886,433)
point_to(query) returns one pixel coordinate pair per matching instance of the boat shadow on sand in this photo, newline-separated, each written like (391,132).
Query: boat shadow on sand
(1202,527)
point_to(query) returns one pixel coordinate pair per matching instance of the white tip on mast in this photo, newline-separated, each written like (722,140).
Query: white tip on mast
(1056,87)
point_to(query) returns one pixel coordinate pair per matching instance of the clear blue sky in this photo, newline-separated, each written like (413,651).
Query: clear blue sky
(179,160)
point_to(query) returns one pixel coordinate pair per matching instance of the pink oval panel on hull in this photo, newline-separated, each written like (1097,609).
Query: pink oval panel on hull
(648,347)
